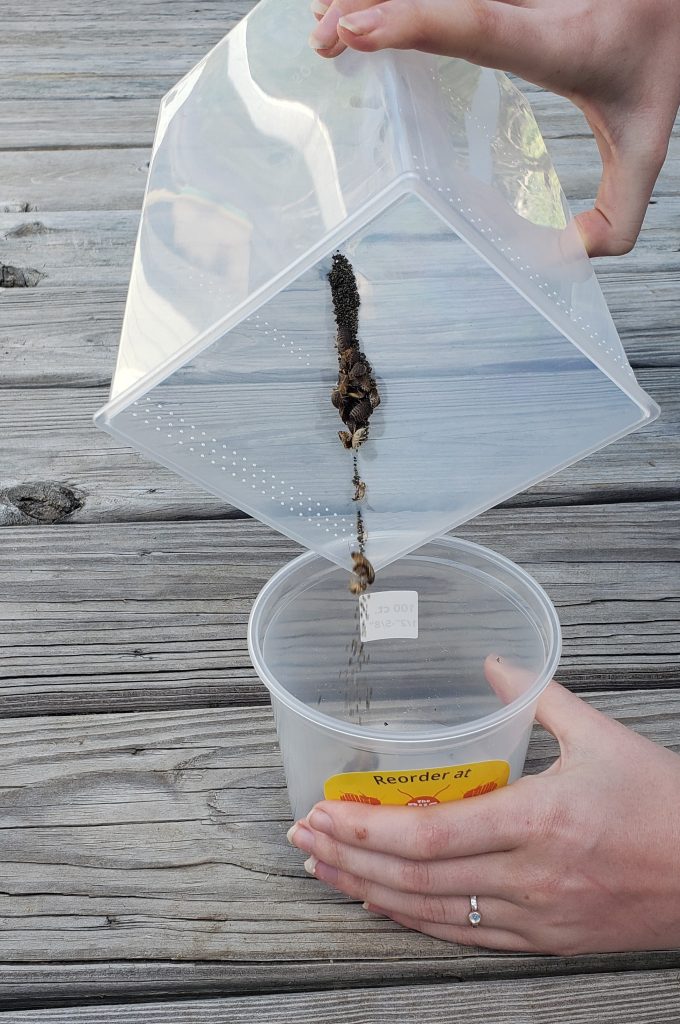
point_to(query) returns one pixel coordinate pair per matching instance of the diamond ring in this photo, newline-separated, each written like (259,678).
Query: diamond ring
(474,917)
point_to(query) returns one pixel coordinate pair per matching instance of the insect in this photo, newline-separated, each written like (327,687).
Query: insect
(344,339)
(374,398)
(359,369)
(360,412)
(349,357)
(346,438)
(422,801)
(362,567)
(337,399)
(358,437)
(359,491)
(357,586)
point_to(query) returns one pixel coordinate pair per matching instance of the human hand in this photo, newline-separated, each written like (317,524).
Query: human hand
(617,60)
(584,857)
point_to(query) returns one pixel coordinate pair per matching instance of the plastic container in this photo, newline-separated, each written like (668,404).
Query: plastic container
(414,717)
(496,357)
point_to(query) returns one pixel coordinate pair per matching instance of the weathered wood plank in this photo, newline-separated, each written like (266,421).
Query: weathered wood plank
(163,836)
(128,117)
(84,329)
(48,435)
(91,179)
(195,752)
(77,308)
(114,179)
(41,985)
(95,246)
(632,998)
(62,239)
(144,616)
(55,984)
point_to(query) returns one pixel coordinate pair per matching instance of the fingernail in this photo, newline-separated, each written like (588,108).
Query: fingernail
(318,7)
(361,22)
(320,821)
(310,865)
(324,872)
(301,837)
(371,907)
(319,44)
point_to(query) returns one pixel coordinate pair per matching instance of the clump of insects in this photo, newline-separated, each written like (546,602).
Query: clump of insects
(355,396)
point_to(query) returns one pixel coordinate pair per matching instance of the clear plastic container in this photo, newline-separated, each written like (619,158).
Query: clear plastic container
(495,355)
(415,712)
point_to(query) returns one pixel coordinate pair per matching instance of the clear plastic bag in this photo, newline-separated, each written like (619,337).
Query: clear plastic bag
(495,355)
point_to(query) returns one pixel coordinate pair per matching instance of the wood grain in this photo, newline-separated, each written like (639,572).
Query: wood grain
(153,615)
(162,836)
(40,985)
(142,849)
(114,179)
(77,308)
(635,998)
(48,436)
(130,120)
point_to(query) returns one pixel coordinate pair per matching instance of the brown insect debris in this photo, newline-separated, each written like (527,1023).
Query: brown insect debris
(355,396)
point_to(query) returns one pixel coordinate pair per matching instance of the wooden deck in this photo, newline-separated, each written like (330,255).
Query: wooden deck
(143,813)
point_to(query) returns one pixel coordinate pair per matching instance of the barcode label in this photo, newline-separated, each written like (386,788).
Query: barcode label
(390,614)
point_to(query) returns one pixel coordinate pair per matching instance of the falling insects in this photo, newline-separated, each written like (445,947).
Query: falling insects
(362,567)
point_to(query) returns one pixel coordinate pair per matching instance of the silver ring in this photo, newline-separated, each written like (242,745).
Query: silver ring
(474,917)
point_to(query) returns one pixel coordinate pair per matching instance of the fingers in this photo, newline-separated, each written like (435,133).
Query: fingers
(488,938)
(504,35)
(325,38)
(491,873)
(508,681)
(438,909)
(485,824)
(629,174)
(568,718)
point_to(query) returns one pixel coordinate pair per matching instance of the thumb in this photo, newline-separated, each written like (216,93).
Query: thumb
(568,718)
(629,172)
(501,35)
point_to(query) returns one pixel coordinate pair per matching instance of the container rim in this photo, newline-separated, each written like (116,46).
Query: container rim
(441,734)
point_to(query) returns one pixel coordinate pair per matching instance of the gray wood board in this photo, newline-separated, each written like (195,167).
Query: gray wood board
(79,122)
(43,984)
(138,53)
(114,179)
(162,836)
(153,615)
(75,312)
(93,248)
(128,117)
(631,998)
(48,436)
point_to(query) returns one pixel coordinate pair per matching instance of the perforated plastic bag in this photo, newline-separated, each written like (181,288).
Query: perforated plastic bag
(496,357)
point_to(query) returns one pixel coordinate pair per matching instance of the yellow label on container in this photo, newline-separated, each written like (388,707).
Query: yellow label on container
(418,787)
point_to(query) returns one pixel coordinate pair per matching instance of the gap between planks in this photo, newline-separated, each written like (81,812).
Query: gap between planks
(649,997)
